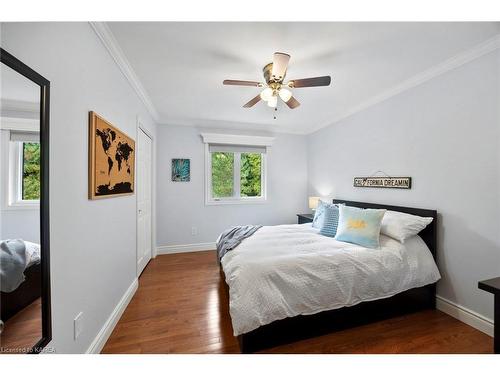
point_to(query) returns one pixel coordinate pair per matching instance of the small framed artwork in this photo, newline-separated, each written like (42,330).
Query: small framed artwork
(111,160)
(181,170)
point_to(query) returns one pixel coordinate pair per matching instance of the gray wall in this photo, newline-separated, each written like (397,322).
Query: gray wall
(93,243)
(445,135)
(181,205)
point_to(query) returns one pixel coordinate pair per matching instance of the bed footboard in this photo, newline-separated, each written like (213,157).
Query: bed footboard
(31,289)
(306,326)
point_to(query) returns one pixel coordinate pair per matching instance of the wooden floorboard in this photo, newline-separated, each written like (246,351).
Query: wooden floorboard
(23,330)
(181,307)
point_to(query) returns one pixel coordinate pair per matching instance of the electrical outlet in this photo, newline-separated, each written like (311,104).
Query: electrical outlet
(78,325)
(194,231)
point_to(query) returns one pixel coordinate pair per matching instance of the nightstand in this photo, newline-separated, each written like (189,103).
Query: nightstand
(493,286)
(304,218)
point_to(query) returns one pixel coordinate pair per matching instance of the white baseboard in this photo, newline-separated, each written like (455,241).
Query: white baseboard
(172,249)
(465,315)
(107,328)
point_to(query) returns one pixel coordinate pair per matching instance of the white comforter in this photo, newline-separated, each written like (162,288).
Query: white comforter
(289,270)
(32,253)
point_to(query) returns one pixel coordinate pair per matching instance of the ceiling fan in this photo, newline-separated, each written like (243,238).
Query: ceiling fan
(274,75)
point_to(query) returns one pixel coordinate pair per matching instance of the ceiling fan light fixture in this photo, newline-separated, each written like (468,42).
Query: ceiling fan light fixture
(285,94)
(273,101)
(266,94)
(274,86)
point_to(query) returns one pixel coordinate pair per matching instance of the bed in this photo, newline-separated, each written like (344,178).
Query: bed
(29,290)
(281,285)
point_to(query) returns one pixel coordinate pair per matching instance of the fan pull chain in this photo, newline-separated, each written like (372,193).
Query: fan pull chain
(275,110)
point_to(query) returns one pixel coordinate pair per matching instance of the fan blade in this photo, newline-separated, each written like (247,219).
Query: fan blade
(292,103)
(280,63)
(252,102)
(311,82)
(241,83)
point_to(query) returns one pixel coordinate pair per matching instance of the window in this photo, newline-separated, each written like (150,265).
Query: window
(24,169)
(222,174)
(30,170)
(235,173)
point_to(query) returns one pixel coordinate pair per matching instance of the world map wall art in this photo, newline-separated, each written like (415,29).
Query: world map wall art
(111,160)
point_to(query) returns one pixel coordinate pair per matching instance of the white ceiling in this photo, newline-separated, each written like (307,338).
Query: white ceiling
(182,65)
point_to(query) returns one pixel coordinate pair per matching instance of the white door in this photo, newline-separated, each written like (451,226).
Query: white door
(144,209)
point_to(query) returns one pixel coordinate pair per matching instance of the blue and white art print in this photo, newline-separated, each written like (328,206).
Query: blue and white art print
(181,170)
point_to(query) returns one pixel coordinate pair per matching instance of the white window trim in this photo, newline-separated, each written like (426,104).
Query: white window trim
(16,191)
(12,164)
(242,140)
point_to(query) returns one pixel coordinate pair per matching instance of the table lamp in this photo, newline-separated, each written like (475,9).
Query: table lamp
(313,203)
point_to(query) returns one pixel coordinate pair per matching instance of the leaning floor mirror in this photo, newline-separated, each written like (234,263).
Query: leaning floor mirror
(25,318)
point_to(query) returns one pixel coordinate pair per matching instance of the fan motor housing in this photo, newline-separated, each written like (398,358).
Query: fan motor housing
(267,70)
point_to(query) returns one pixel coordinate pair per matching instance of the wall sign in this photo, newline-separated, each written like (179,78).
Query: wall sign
(383,182)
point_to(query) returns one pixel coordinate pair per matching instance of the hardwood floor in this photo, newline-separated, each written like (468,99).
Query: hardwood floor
(181,307)
(23,330)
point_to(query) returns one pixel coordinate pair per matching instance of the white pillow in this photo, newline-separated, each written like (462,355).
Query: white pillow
(401,226)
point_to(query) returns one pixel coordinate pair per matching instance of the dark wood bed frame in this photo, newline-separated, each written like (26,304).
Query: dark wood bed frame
(306,326)
(29,291)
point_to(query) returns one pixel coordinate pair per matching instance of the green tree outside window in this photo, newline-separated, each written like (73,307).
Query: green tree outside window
(222,174)
(250,177)
(31,171)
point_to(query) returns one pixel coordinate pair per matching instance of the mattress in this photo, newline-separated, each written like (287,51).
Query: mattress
(288,270)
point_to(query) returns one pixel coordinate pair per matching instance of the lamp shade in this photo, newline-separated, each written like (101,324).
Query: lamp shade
(285,94)
(272,101)
(266,94)
(313,202)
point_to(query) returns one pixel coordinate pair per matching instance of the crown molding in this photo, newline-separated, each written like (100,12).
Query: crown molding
(230,125)
(107,38)
(454,62)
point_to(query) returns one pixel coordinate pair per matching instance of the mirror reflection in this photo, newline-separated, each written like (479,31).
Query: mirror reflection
(20,251)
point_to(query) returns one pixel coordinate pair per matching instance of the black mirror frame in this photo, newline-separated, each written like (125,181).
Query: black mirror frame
(17,65)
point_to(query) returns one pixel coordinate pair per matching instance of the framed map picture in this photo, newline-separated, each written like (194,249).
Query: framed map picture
(181,170)
(111,160)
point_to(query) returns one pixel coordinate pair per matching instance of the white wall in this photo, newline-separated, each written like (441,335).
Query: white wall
(93,243)
(23,223)
(445,134)
(20,223)
(181,205)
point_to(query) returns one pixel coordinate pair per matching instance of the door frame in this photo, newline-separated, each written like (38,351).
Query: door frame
(141,127)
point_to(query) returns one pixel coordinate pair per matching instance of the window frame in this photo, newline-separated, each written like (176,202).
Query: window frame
(236,198)
(16,165)
(12,165)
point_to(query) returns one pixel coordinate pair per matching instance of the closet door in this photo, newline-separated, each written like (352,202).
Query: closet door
(144,193)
